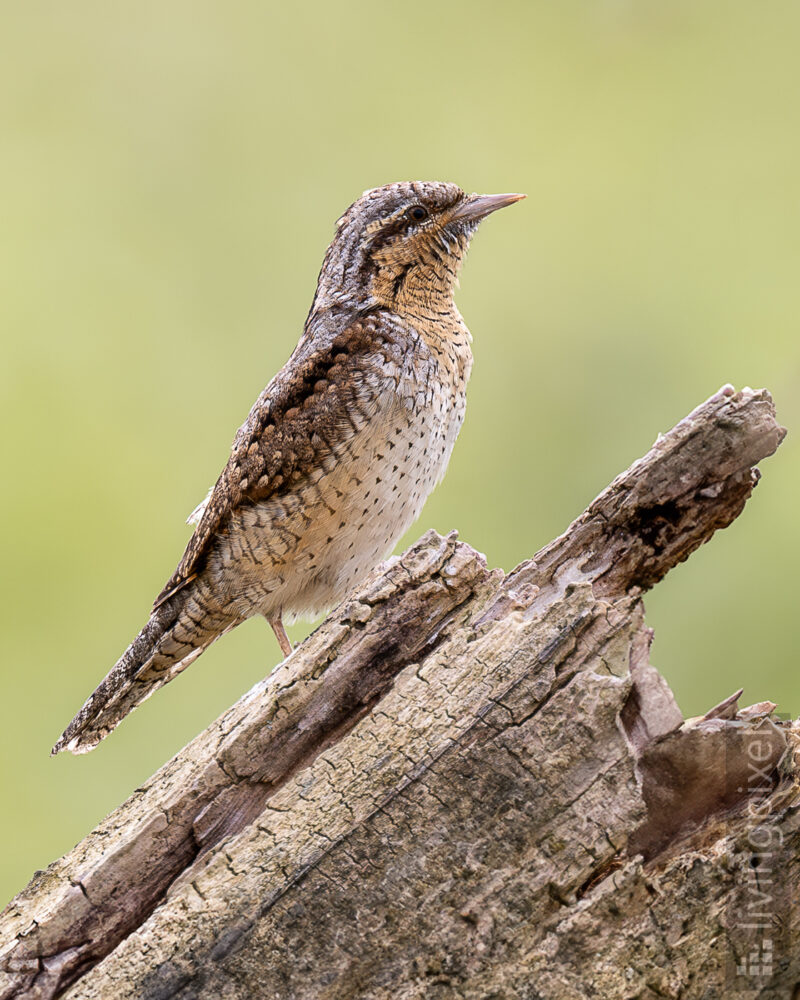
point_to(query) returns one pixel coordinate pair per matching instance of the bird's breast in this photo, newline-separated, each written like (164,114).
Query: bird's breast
(304,550)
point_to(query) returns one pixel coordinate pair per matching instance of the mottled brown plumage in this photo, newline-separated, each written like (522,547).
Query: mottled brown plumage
(339,452)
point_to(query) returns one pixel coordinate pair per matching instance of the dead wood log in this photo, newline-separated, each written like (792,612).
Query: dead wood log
(463,784)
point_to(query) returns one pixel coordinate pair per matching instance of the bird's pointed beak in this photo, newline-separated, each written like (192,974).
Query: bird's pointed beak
(478,206)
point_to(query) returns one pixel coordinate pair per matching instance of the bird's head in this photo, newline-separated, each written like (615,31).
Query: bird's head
(401,246)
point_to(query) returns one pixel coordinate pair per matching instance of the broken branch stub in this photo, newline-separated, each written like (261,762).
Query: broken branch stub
(462,784)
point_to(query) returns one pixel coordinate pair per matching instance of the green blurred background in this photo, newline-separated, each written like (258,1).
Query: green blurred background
(171,173)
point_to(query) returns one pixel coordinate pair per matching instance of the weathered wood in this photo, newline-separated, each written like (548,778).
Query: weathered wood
(463,784)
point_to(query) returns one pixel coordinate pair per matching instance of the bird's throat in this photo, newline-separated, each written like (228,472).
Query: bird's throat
(416,289)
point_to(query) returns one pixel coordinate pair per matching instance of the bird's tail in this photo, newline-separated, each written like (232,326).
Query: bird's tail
(176,634)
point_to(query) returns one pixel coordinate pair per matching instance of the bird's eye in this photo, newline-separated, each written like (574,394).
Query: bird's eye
(418,213)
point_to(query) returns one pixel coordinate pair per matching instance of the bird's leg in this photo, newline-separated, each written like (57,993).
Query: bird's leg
(276,624)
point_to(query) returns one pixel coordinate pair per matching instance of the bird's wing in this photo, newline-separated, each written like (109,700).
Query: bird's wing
(338,377)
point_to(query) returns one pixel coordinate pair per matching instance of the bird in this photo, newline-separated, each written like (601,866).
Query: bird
(339,452)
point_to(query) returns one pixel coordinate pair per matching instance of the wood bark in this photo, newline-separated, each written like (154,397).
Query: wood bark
(464,784)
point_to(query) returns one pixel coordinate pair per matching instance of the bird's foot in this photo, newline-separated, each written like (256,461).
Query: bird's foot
(280,634)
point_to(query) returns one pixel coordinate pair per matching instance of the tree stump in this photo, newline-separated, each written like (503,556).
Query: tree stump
(464,784)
